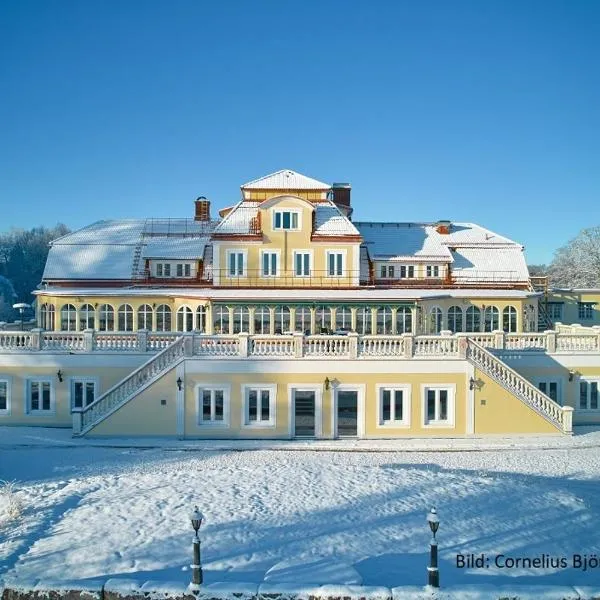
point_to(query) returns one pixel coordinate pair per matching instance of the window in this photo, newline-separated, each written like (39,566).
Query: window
(387,272)
(323,319)
(343,318)
(335,264)
(5,385)
(185,319)
(106,318)
(509,319)
(438,406)
(363,321)
(383,271)
(68,318)
(586,310)
(164,269)
(432,271)
(455,319)
(40,396)
(435,320)
(145,317)
(302,264)
(282,319)
(259,405)
(201,319)
(184,270)
(551,388)
(47,312)
(159,270)
(179,270)
(163,318)
(87,317)
(407,271)
(473,319)
(270,261)
(384,320)
(404,320)
(212,407)
(285,219)
(241,319)
(125,317)
(221,320)
(491,319)
(302,321)
(83,392)
(167,270)
(236,263)
(394,405)
(262,320)
(588,394)
(555,311)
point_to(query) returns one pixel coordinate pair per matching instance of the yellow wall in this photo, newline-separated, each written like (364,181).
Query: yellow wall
(571,299)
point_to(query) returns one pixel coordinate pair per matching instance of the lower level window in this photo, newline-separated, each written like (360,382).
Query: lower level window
(551,389)
(4,397)
(259,406)
(40,396)
(438,406)
(588,394)
(83,393)
(213,405)
(394,405)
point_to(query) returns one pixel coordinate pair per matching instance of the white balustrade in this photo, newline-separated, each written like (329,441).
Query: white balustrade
(327,345)
(378,345)
(487,340)
(272,346)
(158,340)
(525,341)
(15,340)
(435,345)
(63,340)
(216,345)
(577,343)
(119,342)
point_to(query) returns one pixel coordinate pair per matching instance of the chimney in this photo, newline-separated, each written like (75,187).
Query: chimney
(202,209)
(341,197)
(443,227)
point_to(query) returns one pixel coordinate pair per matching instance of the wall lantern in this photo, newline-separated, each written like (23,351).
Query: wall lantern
(571,375)
(179,383)
(472,383)
(59,374)
(327,383)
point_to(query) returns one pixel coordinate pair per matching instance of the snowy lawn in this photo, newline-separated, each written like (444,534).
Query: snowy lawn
(98,512)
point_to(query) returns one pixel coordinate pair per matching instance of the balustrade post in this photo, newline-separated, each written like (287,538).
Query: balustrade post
(462,345)
(567,419)
(36,339)
(409,344)
(298,344)
(244,339)
(446,332)
(142,340)
(499,340)
(353,343)
(188,345)
(550,341)
(88,340)
(77,422)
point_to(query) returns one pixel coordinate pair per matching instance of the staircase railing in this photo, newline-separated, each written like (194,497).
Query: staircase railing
(108,402)
(560,416)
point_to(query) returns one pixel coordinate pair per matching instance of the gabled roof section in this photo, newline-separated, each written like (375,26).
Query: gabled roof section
(286,179)
(329,221)
(238,221)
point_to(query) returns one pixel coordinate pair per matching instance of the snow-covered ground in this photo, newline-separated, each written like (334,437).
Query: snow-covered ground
(99,511)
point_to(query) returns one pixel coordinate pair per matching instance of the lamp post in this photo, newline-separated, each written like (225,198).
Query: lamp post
(433,572)
(196,517)
(21,306)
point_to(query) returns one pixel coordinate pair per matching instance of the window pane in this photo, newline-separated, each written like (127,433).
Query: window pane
(553,390)
(431,405)
(386,405)
(265,264)
(594,394)
(78,394)
(35,395)
(398,405)
(273,264)
(306,259)
(252,405)
(45,396)
(240,263)
(443,405)
(294,220)
(218,405)
(3,395)
(90,392)
(265,408)
(542,387)
(277,220)
(286,220)
(232,264)
(583,394)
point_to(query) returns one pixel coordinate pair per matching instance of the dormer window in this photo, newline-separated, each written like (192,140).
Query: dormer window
(287,220)
(433,271)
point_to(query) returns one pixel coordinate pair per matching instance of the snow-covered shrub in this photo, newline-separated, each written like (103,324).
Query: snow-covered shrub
(10,504)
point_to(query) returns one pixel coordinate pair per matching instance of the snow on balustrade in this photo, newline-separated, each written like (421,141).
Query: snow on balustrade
(436,345)
(327,345)
(159,340)
(277,345)
(216,345)
(487,340)
(577,343)
(15,340)
(63,340)
(127,387)
(376,345)
(116,341)
(525,341)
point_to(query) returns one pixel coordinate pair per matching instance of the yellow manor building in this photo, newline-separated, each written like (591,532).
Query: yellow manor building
(287,318)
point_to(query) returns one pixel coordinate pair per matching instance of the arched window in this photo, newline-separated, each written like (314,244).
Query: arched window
(473,318)
(106,318)
(87,317)
(185,319)
(47,313)
(221,320)
(384,320)
(262,320)
(363,321)
(435,320)
(68,318)
(241,319)
(282,319)
(302,322)
(323,319)
(491,319)
(201,319)
(455,319)
(509,319)
(125,318)
(404,320)
(163,318)
(145,317)
(343,318)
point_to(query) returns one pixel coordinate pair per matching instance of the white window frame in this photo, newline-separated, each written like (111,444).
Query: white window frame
(588,380)
(310,262)
(585,310)
(277,254)
(548,380)
(335,252)
(432,271)
(167,269)
(244,254)
(226,389)
(449,423)
(272,421)
(5,412)
(28,409)
(84,380)
(292,211)
(409,272)
(406,405)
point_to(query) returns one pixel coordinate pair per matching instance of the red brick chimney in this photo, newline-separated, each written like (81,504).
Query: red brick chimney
(202,212)
(443,227)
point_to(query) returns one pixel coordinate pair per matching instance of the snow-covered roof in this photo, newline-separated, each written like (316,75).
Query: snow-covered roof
(238,220)
(286,179)
(500,264)
(186,248)
(330,221)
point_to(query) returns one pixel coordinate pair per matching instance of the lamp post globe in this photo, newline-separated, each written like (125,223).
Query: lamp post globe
(196,517)
(434,521)
(21,306)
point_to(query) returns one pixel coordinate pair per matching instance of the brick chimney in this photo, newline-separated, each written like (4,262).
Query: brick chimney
(443,227)
(202,212)
(341,194)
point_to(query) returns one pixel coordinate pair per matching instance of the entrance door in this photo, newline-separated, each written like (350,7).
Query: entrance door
(347,413)
(304,413)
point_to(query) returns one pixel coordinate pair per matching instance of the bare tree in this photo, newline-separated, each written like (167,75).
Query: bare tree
(577,264)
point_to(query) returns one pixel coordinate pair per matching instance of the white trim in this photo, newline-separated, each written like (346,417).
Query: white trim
(303,387)
(449,423)
(310,262)
(8,380)
(244,254)
(83,379)
(360,406)
(356,265)
(180,400)
(277,209)
(272,422)
(27,390)
(277,270)
(216,260)
(335,251)
(406,390)
(226,389)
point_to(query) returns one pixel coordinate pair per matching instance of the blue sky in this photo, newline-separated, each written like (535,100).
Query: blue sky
(481,111)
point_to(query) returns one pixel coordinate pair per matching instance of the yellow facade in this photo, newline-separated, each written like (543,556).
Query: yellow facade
(575,306)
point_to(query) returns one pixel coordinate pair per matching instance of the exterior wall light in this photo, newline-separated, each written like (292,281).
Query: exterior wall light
(472,383)
(59,374)
(327,383)
(179,383)
(571,375)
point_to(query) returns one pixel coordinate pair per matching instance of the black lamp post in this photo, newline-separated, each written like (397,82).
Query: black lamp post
(433,572)
(196,517)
